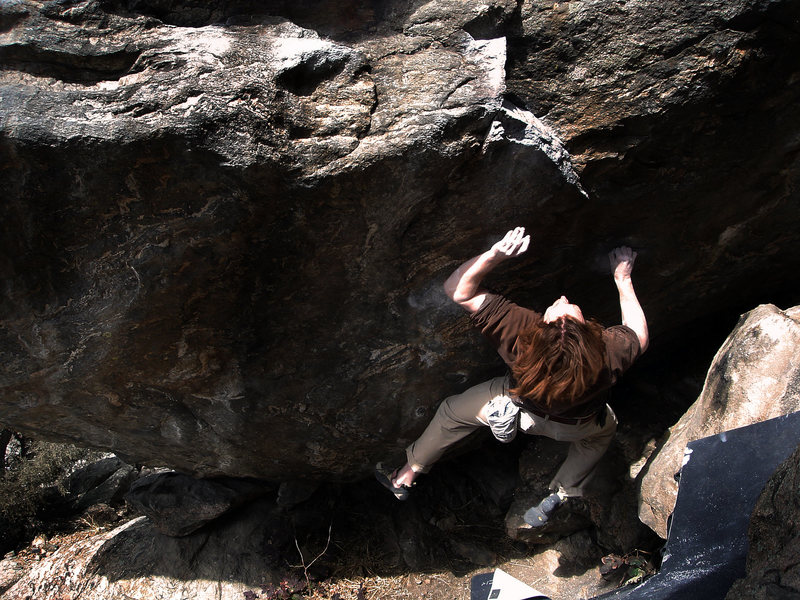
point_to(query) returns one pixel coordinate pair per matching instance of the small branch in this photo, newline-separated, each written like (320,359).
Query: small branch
(305,566)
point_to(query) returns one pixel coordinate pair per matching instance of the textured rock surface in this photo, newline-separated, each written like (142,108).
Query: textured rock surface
(755,376)
(774,537)
(178,505)
(226,224)
(102,482)
(135,561)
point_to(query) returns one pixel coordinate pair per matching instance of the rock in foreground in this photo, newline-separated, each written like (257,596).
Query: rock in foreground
(754,377)
(774,536)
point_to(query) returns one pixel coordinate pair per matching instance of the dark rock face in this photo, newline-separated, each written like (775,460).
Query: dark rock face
(102,482)
(226,224)
(773,536)
(178,505)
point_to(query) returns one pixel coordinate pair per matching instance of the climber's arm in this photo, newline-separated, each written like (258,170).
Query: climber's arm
(622,260)
(464,284)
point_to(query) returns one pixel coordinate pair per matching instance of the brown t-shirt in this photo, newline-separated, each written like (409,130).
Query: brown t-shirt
(501,321)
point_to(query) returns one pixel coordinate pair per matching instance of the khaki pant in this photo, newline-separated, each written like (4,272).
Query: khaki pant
(457,417)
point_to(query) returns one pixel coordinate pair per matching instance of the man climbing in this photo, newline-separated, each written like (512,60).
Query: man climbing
(560,368)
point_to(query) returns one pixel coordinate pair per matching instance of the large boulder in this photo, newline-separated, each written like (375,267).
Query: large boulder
(226,224)
(755,376)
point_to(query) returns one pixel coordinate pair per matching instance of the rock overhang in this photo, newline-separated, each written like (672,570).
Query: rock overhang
(277,208)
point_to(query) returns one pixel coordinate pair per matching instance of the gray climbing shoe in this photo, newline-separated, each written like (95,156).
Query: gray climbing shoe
(539,515)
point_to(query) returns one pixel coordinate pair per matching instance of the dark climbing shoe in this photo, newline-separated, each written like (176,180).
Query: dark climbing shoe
(385,476)
(539,515)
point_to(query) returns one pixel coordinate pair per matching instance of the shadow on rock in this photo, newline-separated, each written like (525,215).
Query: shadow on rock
(245,547)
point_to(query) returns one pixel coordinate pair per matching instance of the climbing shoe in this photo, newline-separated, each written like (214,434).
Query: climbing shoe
(539,515)
(385,476)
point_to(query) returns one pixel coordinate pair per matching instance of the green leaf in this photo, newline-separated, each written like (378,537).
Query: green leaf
(635,575)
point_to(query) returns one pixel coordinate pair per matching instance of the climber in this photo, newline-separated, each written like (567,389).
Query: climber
(560,368)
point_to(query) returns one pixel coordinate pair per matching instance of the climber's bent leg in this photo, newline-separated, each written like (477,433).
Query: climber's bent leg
(456,417)
(588,443)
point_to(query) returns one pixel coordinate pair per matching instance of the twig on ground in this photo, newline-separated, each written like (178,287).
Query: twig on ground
(303,564)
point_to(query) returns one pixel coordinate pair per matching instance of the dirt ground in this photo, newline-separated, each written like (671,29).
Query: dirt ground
(536,570)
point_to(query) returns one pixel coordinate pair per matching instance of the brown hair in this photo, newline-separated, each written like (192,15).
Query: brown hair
(558,362)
